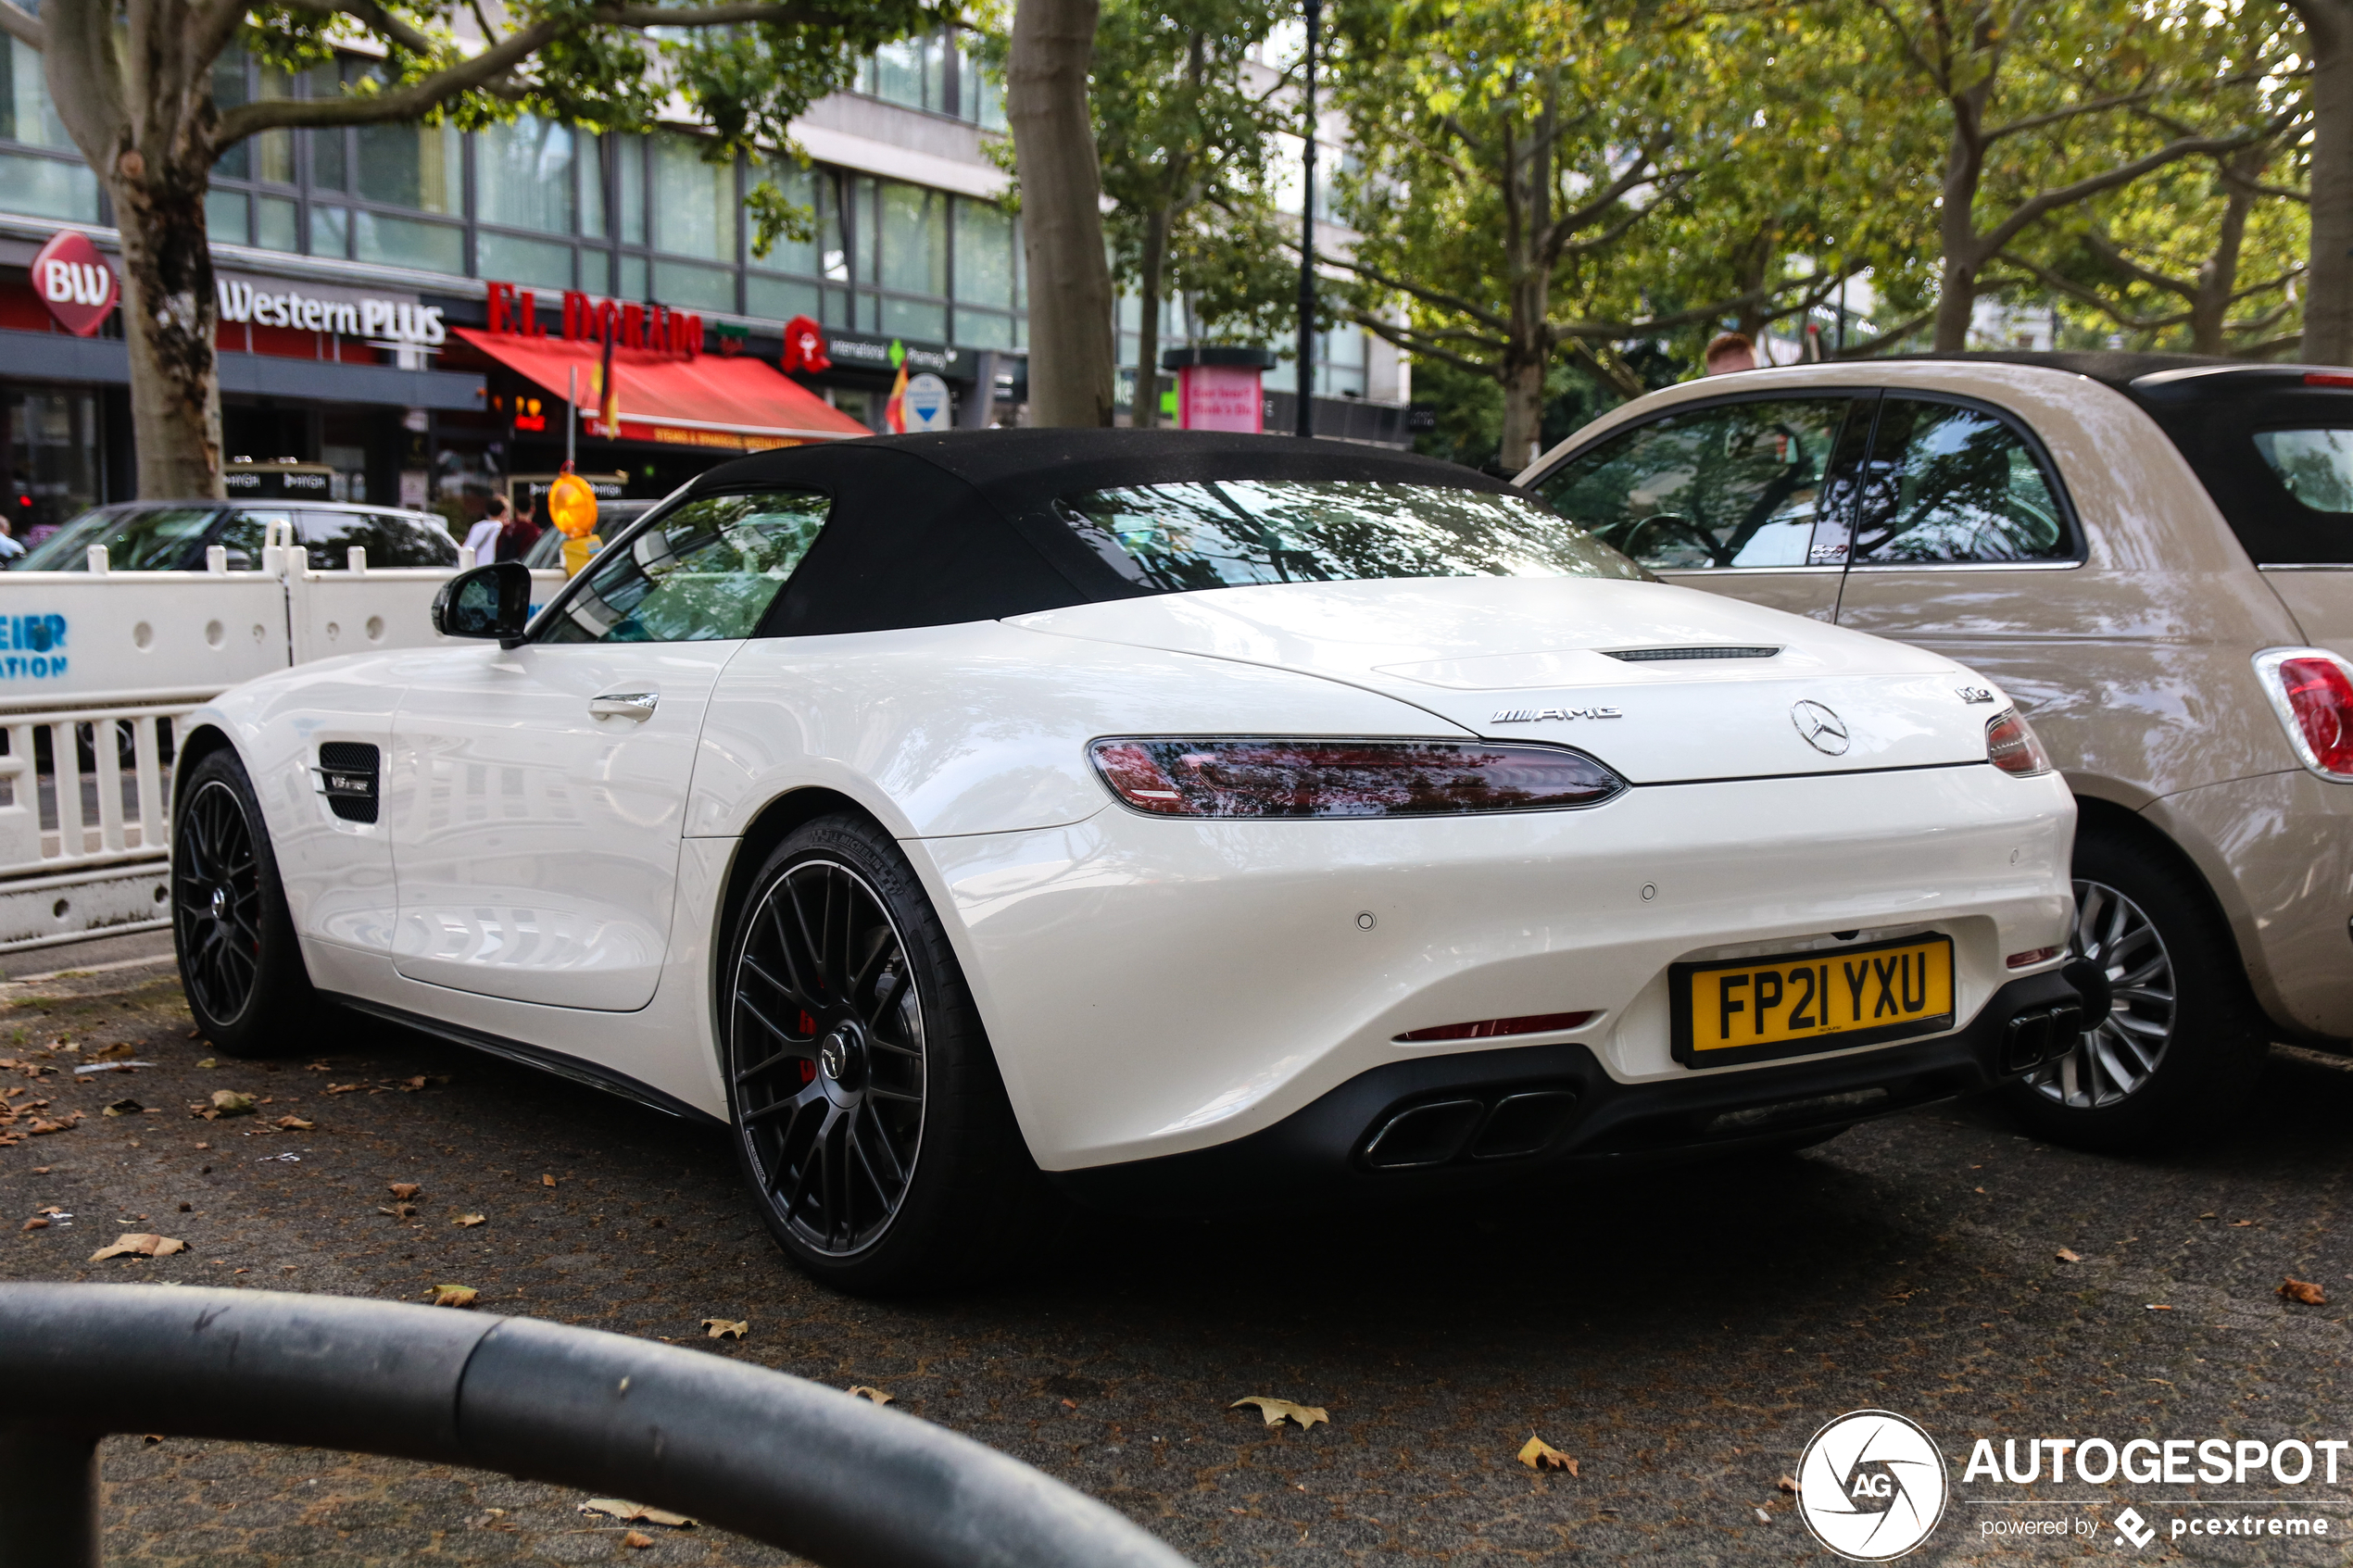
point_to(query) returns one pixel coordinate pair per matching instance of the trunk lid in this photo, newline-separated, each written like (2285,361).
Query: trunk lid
(1665,684)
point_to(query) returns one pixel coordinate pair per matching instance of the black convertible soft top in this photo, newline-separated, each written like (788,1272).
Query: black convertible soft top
(936,530)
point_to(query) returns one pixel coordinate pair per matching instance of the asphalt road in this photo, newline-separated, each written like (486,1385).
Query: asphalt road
(1680,1335)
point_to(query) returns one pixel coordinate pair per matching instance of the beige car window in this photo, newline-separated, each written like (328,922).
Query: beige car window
(1947,483)
(2315,465)
(706,572)
(1738,484)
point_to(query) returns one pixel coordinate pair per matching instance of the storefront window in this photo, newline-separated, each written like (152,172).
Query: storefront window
(402,242)
(630,150)
(522,176)
(915,239)
(704,288)
(273,223)
(591,162)
(53,456)
(330,232)
(537,263)
(984,255)
(983,329)
(412,166)
(780,299)
(801,187)
(26,114)
(225,216)
(697,215)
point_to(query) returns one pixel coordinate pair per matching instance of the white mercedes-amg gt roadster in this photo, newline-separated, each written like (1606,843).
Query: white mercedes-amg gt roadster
(1195,820)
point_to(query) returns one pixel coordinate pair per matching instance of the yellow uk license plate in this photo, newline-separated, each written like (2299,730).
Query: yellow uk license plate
(1750,1009)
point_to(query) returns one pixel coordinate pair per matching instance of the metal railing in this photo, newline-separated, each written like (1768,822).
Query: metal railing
(832,1478)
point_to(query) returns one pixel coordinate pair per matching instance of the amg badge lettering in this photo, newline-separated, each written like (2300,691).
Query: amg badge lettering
(1538,715)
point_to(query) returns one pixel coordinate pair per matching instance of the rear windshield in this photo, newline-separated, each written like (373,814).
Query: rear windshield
(2274,449)
(1172,538)
(2315,465)
(137,539)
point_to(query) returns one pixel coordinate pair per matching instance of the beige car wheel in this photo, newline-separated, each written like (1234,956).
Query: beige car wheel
(2125,1046)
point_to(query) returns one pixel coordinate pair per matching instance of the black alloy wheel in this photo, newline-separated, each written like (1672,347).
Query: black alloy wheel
(832,1111)
(872,1123)
(216,884)
(2173,1040)
(240,964)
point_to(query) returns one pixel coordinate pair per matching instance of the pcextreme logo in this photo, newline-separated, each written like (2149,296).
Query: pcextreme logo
(1871,1486)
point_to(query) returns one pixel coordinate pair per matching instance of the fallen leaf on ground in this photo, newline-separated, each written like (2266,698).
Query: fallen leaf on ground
(468,1222)
(2241,1224)
(344,1088)
(547,1181)
(38,1223)
(454,1295)
(2067,1255)
(860,1391)
(295,1124)
(637,1513)
(139,1244)
(318,1067)
(1537,1454)
(114,1053)
(2304,1290)
(206,1061)
(1276,1411)
(400,1211)
(229,1102)
(1763,1517)
(123,1107)
(719,1328)
(1788,1483)
(636,1540)
(405,1190)
(2158,1306)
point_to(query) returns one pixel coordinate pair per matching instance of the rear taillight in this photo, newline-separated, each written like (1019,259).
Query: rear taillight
(2311,689)
(2011,746)
(1173,777)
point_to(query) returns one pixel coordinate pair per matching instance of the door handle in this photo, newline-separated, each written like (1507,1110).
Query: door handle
(624,705)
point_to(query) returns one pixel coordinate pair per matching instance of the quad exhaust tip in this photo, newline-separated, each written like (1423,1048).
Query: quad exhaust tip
(2040,1035)
(1436,1133)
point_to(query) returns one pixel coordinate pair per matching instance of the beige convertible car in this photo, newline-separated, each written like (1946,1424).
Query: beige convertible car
(2153,556)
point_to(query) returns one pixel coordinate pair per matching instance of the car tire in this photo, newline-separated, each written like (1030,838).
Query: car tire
(2178,1042)
(240,964)
(872,1123)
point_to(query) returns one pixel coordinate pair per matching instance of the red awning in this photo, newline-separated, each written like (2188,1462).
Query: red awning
(712,400)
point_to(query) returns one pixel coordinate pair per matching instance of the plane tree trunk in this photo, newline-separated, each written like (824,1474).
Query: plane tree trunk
(1074,363)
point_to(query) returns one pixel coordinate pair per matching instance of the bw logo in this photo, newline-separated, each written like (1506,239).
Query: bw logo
(2133,1528)
(1871,1486)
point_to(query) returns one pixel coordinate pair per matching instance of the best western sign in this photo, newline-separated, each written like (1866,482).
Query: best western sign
(385,323)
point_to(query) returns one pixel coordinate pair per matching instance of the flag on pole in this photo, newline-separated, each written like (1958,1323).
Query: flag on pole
(895,410)
(607,389)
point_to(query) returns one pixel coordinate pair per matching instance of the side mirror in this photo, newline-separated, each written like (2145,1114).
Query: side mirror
(489,601)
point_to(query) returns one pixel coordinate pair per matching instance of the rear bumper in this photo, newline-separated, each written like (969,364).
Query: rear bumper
(1545,1107)
(2277,849)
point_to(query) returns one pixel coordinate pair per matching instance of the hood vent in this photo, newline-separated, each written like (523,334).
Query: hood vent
(1660,656)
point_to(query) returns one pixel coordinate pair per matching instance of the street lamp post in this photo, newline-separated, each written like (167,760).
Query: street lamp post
(1307,240)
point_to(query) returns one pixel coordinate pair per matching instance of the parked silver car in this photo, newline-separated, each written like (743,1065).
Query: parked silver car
(2154,556)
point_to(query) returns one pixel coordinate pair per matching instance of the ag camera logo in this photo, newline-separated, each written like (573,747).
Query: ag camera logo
(1871,1486)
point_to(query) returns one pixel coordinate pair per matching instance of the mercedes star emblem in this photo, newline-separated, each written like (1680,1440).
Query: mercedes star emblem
(1823,730)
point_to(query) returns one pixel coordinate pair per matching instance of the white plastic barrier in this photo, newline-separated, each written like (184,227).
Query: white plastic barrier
(96,670)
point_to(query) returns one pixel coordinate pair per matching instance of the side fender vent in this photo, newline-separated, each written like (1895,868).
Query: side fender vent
(348,775)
